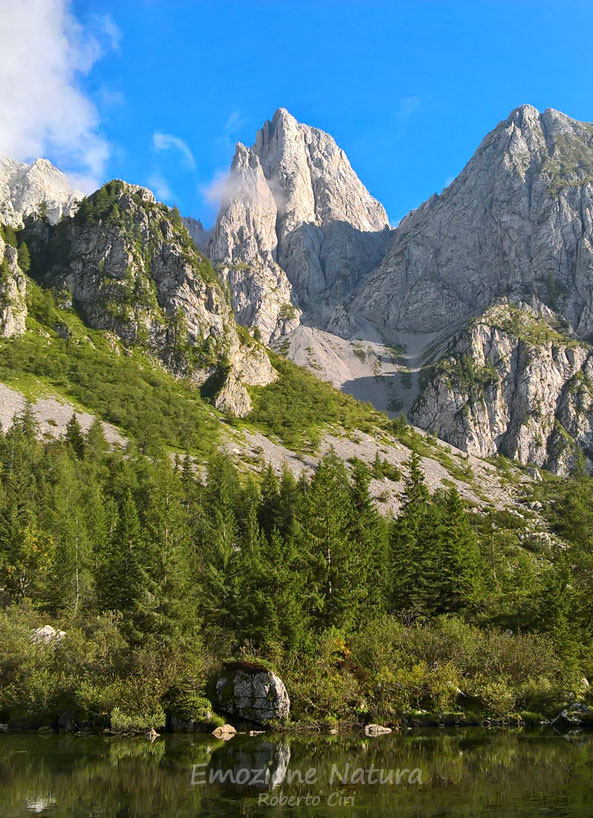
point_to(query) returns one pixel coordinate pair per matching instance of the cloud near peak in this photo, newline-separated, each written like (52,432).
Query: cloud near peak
(44,111)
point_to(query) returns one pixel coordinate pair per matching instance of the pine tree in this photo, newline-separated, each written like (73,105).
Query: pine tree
(75,437)
(368,535)
(95,445)
(458,560)
(168,609)
(65,517)
(270,506)
(122,573)
(337,575)
(405,541)
(218,556)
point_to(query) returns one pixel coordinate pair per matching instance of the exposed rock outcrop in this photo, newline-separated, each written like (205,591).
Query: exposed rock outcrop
(129,266)
(296,229)
(516,221)
(516,381)
(13,290)
(195,228)
(35,189)
(252,693)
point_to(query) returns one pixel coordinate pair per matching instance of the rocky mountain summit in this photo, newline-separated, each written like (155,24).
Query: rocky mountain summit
(38,188)
(128,265)
(516,221)
(297,229)
(473,316)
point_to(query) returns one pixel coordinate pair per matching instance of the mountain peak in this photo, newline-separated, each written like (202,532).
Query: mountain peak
(23,188)
(282,114)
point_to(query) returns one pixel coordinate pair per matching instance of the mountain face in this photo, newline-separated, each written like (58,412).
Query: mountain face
(517,221)
(129,266)
(515,225)
(195,228)
(39,188)
(515,381)
(296,229)
(474,316)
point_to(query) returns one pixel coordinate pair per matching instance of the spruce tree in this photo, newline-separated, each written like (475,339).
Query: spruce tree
(24,257)
(337,571)
(405,541)
(74,436)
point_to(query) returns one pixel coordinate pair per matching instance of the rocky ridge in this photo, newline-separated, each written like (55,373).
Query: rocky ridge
(129,266)
(13,288)
(516,222)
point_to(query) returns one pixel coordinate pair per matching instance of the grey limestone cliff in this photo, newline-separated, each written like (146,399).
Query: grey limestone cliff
(129,266)
(297,229)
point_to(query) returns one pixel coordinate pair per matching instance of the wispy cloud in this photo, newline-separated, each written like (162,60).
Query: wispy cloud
(160,187)
(44,51)
(218,189)
(233,123)
(168,142)
(110,97)
(407,108)
(106,24)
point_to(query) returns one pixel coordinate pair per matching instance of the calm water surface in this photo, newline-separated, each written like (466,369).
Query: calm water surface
(463,773)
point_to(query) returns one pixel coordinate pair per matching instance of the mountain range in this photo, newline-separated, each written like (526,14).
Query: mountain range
(474,316)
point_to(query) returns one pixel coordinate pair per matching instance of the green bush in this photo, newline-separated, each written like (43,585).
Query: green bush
(138,720)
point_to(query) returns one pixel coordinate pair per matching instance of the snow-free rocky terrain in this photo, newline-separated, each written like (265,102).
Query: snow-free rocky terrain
(473,317)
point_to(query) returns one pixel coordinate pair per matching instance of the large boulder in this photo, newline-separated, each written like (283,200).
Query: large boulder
(252,692)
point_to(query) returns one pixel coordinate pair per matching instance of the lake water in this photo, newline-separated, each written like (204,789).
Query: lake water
(433,773)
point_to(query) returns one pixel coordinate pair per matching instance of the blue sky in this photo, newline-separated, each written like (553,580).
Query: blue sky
(408,89)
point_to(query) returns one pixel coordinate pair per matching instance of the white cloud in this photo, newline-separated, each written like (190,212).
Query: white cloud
(407,107)
(160,187)
(167,142)
(221,188)
(43,51)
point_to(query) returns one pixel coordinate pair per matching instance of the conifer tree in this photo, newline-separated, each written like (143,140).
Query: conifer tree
(24,257)
(270,507)
(169,610)
(337,575)
(122,573)
(406,535)
(74,436)
(95,445)
(219,543)
(368,535)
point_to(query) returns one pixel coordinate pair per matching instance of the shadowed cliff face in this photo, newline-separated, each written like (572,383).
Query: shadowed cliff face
(297,223)
(307,259)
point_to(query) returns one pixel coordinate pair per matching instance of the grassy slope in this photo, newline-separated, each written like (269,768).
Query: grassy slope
(92,370)
(60,355)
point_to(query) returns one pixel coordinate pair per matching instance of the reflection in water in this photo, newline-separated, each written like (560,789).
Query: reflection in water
(464,773)
(262,764)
